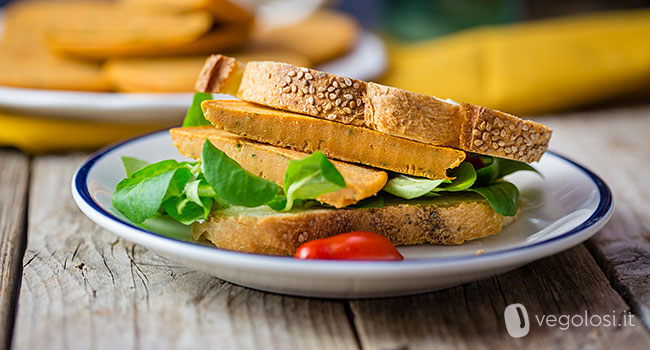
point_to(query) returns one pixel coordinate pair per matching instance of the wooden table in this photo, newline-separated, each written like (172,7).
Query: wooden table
(67,283)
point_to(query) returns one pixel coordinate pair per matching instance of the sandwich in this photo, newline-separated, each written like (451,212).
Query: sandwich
(304,155)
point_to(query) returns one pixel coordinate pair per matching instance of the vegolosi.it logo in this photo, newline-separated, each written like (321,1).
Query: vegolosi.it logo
(518,322)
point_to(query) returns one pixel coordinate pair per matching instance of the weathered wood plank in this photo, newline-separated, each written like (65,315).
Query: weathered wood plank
(616,145)
(84,288)
(471,316)
(14,176)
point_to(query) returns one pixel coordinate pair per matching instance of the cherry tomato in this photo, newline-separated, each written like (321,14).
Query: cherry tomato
(359,245)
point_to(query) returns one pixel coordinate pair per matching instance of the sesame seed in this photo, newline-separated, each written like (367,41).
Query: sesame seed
(283,84)
(320,95)
(359,102)
(331,116)
(525,127)
(501,143)
(348,82)
(482,125)
(327,107)
(352,104)
(478,143)
(337,91)
(348,96)
(514,148)
(321,75)
(508,150)
(347,110)
(305,90)
(332,96)
(495,145)
(495,131)
(321,89)
(344,104)
(476,132)
(356,85)
(330,89)
(503,133)
(494,137)
(300,74)
(287,89)
(304,69)
(337,102)
(335,84)
(498,122)
(288,80)
(291,73)
(309,76)
(312,90)
(511,126)
(485,136)
(488,127)
(293,88)
(533,136)
(310,100)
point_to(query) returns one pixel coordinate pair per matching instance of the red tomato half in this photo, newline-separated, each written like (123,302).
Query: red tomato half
(359,245)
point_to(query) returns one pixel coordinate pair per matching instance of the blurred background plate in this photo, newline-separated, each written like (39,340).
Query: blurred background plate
(366,61)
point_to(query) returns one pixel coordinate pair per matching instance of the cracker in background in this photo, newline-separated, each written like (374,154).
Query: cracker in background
(26,61)
(321,37)
(177,74)
(223,11)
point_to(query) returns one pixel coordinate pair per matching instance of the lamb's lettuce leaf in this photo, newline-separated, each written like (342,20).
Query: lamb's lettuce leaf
(503,196)
(194,115)
(496,168)
(233,183)
(487,181)
(131,165)
(141,195)
(464,175)
(410,187)
(309,178)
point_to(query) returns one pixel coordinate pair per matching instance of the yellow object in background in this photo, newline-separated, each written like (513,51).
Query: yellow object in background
(534,67)
(40,135)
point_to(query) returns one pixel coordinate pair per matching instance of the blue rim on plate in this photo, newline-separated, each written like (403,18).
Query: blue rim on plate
(80,184)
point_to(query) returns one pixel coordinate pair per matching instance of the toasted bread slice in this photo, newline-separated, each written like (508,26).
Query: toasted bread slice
(448,220)
(339,141)
(271,162)
(390,110)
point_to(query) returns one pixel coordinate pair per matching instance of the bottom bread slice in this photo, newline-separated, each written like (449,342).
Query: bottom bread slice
(448,220)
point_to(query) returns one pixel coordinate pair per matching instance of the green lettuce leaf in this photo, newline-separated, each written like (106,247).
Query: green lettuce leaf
(233,183)
(503,196)
(194,115)
(309,178)
(131,165)
(410,187)
(465,176)
(496,168)
(141,195)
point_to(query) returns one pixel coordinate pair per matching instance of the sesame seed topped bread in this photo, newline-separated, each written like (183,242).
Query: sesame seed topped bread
(336,140)
(271,162)
(389,110)
(448,220)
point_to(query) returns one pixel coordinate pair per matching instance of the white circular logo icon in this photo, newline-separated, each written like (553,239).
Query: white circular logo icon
(517,323)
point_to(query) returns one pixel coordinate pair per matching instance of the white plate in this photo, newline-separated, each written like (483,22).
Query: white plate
(565,208)
(366,62)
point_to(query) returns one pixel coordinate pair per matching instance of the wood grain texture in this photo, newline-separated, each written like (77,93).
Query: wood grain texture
(615,143)
(14,176)
(85,288)
(471,316)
